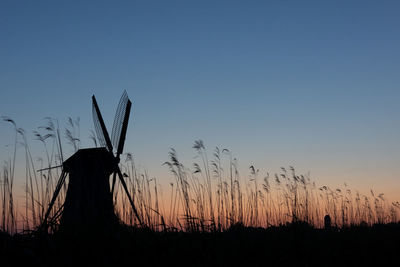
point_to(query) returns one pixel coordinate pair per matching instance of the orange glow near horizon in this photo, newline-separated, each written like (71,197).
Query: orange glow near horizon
(283,198)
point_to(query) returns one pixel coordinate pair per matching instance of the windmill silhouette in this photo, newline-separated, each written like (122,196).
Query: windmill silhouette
(89,200)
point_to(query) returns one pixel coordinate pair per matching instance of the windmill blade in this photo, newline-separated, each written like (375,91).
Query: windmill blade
(97,128)
(124,128)
(120,127)
(121,178)
(100,127)
(113,183)
(121,123)
(49,168)
(55,195)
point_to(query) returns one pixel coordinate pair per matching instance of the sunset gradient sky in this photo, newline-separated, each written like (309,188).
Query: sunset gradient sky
(311,84)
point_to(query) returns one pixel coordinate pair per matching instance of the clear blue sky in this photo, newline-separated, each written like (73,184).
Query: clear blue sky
(313,84)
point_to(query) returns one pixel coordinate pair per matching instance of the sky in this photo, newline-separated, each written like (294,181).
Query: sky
(309,84)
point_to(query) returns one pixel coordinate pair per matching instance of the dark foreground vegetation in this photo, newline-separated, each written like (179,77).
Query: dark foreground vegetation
(290,245)
(210,215)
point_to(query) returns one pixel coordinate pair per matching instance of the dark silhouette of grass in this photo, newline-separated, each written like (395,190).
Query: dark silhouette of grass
(296,244)
(211,196)
(213,216)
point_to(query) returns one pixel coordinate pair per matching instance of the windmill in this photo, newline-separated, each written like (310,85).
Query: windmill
(89,199)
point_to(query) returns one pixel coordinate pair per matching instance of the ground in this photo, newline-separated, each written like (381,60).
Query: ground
(290,245)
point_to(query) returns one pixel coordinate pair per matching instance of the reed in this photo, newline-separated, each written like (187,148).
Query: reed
(211,196)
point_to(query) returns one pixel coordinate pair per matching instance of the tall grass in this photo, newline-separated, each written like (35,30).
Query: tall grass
(210,196)
(39,185)
(206,198)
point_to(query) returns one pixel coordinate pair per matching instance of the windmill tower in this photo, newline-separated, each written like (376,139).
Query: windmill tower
(88,203)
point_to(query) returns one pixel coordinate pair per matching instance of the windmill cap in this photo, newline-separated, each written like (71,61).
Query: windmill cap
(98,155)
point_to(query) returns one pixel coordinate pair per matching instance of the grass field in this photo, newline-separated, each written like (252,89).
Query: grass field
(210,215)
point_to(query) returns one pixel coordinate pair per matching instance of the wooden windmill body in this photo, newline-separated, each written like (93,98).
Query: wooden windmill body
(88,202)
